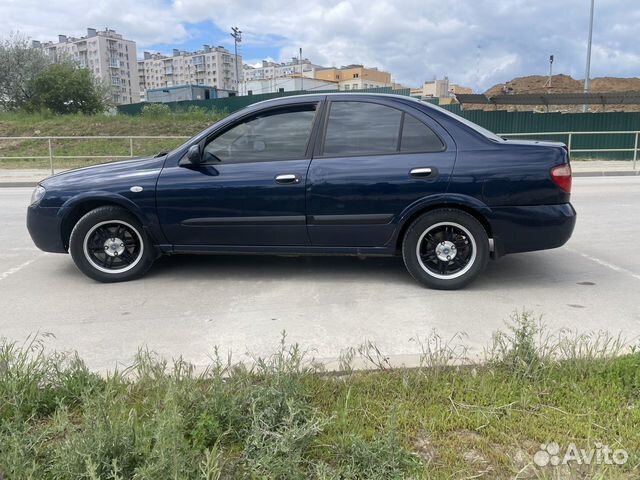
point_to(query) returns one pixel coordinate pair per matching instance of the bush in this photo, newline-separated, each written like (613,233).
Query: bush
(20,65)
(66,88)
(382,458)
(156,110)
(202,114)
(517,352)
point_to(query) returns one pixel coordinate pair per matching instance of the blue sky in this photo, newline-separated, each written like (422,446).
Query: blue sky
(208,33)
(476,43)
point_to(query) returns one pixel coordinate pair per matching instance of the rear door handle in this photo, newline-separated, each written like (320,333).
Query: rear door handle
(421,172)
(287,178)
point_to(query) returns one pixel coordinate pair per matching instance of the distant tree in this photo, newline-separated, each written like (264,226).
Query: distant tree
(20,64)
(66,88)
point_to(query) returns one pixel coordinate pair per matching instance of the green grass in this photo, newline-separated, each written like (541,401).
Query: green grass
(42,125)
(284,418)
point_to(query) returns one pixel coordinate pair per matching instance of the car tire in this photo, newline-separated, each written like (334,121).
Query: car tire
(108,244)
(445,249)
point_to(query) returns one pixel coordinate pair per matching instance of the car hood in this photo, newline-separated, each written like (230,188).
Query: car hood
(106,172)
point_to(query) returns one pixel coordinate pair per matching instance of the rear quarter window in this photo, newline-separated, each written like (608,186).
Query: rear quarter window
(418,137)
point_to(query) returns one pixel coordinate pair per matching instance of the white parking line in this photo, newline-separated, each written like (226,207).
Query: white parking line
(16,269)
(610,266)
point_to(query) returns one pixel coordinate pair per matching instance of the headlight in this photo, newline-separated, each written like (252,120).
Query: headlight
(37,194)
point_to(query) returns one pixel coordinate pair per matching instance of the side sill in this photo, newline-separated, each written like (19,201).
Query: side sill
(282,250)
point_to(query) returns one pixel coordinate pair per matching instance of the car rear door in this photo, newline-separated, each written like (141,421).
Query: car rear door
(250,188)
(373,159)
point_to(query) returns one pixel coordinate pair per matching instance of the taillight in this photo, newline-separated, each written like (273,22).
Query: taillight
(561,176)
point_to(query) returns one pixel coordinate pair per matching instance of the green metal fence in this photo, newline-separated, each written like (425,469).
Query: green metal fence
(522,123)
(525,123)
(231,104)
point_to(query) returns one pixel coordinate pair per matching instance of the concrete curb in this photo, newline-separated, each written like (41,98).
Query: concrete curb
(624,173)
(17,184)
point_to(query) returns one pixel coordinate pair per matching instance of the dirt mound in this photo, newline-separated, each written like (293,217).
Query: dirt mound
(561,84)
(537,84)
(613,84)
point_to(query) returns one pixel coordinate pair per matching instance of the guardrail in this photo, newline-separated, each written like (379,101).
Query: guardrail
(51,155)
(571,135)
(131,138)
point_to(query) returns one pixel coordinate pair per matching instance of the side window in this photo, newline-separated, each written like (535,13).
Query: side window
(360,128)
(280,134)
(417,137)
(356,128)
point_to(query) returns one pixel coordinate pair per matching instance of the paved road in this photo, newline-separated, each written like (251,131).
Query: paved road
(186,305)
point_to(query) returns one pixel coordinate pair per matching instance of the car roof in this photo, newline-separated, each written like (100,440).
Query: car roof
(319,96)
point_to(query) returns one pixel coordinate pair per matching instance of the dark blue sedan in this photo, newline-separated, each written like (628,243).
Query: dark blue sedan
(337,174)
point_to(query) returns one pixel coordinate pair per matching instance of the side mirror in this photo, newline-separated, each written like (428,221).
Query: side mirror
(192,158)
(193,154)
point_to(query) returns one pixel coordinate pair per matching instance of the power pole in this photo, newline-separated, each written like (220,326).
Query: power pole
(588,69)
(236,33)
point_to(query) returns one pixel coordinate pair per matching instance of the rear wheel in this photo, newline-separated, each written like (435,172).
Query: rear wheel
(445,249)
(109,244)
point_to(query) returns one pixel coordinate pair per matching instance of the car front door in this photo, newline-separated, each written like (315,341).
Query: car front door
(374,159)
(250,187)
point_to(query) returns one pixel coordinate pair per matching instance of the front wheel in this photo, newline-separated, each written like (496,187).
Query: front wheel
(109,244)
(445,249)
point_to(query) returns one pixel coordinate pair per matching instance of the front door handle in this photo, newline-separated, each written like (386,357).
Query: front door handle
(287,178)
(421,172)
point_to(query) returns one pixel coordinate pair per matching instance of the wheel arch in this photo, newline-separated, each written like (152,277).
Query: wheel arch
(473,207)
(74,209)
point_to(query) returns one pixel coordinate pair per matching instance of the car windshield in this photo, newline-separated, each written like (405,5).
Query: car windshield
(482,131)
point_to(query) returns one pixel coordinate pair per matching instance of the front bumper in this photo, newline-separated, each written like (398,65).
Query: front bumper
(44,225)
(530,228)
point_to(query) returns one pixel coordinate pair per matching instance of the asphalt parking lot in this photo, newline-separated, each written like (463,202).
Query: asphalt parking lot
(187,305)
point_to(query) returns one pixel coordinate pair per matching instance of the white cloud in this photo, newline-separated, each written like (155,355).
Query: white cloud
(145,21)
(474,42)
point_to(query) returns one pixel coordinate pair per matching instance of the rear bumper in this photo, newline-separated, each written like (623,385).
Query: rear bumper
(44,225)
(529,228)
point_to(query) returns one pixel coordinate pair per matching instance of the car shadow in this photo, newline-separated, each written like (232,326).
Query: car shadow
(510,272)
(270,267)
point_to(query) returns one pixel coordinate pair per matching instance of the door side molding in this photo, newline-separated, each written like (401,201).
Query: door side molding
(260,220)
(368,219)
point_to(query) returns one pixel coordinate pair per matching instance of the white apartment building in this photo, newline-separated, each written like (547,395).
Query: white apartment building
(271,70)
(272,77)
(281,85)
(211,66)
(110,57)
(361,84)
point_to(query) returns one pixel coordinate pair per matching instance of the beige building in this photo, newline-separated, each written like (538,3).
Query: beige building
(211,66)
(110,57)
(355,77)
(458,89)
(439,89)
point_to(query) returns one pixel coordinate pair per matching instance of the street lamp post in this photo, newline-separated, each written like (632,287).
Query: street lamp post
(588,69)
